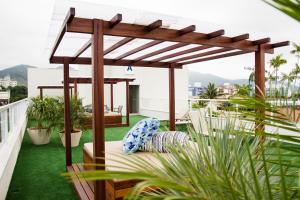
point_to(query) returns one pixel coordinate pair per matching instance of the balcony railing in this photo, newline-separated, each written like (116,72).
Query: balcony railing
(12,127)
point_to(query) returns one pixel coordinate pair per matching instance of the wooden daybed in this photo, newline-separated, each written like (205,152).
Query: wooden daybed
(111,119)
(116,188)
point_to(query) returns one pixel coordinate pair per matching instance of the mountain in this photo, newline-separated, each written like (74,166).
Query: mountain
(207,78)
(18,73)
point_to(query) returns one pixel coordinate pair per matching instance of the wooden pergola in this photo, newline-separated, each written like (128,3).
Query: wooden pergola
(51,87)
(98,28)
(111,81)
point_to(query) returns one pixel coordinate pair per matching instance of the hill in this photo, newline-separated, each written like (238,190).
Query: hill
(18,73)
(207,78)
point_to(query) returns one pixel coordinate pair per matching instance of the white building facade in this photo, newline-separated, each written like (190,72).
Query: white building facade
(8,82)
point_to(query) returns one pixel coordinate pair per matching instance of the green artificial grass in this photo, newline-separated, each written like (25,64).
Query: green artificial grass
(37,174)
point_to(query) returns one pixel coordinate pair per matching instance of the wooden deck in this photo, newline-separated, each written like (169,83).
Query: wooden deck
(114,189)
(84,189)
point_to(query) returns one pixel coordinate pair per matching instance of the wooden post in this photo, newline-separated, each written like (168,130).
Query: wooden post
(111,97)
(127,103)
(67,118)
(98,104)
(172,99)
(41,93)
(75,89)
(260,87)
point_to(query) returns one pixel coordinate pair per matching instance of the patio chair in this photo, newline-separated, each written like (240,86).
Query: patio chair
(183,117)
(198,120)
(118,109)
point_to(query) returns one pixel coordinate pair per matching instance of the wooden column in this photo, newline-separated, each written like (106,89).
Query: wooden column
(260,86)
(67,113)
(75,90)
(127,103)
(41,93)
(172,98)
(98,103)
(111,97)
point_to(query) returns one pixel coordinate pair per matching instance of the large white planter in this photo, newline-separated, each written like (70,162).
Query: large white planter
(39,136)
(75,138)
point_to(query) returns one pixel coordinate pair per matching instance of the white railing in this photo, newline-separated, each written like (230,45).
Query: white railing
(11,116)
(13,120)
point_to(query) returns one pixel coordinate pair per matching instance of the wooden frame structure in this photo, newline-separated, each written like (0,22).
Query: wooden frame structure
(111,81)
(52,87)
(98,28)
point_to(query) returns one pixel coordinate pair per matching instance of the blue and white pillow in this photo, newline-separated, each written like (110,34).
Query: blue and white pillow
(139,134)
(162,140)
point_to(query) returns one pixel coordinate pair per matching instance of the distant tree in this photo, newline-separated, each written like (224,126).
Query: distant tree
(242,90)
(211,92)
(275,63)
(17,93)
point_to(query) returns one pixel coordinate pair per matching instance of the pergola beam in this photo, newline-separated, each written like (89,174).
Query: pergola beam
(83,48)
(240,37)
(155,25)
(117,45)
(261,41)
(187,30)
(82,25)
(115,20)
(163,50)
(70,16)
(216,57)
(194,49)
(138,49)
(112,62)
(201,55)
(280,44)
(215,34)
(88,80)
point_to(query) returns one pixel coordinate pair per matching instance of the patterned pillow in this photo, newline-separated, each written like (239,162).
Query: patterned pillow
(161,140)
(139,134)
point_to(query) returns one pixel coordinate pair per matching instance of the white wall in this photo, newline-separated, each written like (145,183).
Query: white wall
(42,77)
(154,90)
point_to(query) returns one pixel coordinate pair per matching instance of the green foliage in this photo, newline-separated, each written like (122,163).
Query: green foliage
(17,93)
(211,92)
(289,7)
(43,112)
(76,110)
(243,90)
(199,104)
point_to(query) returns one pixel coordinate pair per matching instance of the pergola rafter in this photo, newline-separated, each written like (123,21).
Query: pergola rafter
(52,87)
(115,27)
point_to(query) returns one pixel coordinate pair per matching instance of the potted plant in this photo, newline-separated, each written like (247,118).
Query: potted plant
(42,114)
(77,116)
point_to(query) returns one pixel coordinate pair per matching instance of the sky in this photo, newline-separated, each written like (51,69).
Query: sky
(27,26)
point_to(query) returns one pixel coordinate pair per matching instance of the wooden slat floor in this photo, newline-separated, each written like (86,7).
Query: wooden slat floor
(84,189)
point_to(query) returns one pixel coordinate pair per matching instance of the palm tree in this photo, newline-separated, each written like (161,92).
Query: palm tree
(270,78)
(296,51)
(296,72)
(251,79)
(212,91)
(275,63)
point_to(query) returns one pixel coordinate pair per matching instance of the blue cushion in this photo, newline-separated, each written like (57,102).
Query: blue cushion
(139,134)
